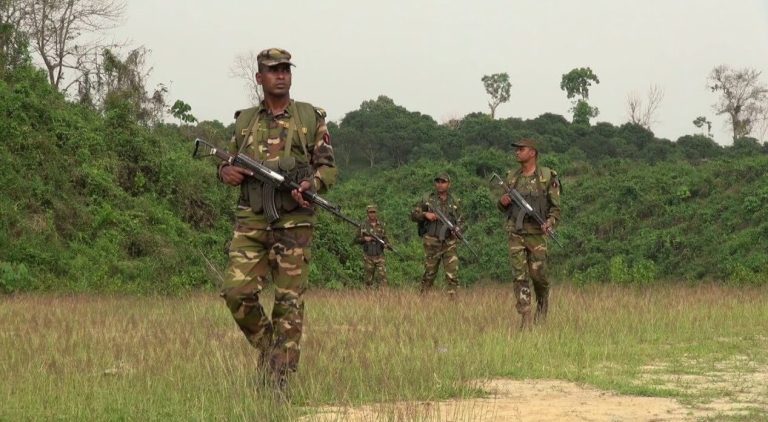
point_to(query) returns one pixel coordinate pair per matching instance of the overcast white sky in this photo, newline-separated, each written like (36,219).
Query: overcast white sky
(429,56)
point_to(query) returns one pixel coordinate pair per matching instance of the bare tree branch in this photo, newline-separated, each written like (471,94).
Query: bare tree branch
(59,30)
(244,68)
(642,112)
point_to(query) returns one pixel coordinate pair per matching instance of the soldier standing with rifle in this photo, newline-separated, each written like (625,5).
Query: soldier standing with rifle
(540,188)
(375,265)
(440,241)
(274,228)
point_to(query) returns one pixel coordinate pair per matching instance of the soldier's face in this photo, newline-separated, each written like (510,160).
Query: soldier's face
(276,80)
(441,186)
(372,215)
(525,154)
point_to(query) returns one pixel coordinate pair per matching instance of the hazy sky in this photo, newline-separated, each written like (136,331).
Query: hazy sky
(429,56)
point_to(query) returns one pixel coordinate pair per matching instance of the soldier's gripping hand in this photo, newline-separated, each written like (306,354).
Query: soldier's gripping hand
(233,175)
(304,186)
(430,216)
(505,200)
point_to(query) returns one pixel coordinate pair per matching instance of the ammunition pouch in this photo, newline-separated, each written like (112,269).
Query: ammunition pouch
(373,248)
(537,201)
(421,228)
(269,199)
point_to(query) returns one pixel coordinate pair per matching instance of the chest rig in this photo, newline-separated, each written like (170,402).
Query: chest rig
(257,140)
(448,207)
(373,248)
(534,191)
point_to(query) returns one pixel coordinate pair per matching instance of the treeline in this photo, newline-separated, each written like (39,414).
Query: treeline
(100,199)
(382,134)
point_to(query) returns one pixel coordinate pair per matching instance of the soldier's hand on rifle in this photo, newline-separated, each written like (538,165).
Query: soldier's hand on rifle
(304,186)
(233,175)
(430,216)
(547,227)
(505,200)
(368,238)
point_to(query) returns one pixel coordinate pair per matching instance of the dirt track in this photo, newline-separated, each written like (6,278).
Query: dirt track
(534,400)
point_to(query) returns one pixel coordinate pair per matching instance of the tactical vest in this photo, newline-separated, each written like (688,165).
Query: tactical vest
(294,162)
(536,198)
(373,248)
(437,228)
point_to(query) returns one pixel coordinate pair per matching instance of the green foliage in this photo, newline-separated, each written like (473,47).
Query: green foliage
(101,201)
(577,82)
(183,112)
(14,277)
(498,87)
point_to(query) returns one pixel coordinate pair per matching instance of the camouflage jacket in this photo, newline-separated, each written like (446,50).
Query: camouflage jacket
(296,143)
(451,207)
(372,248)
(541,191)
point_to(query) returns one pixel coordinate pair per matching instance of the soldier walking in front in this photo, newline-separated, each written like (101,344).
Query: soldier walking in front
(540,187)
(291,138)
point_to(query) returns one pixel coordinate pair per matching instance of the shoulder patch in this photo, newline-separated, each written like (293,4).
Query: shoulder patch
(320,112)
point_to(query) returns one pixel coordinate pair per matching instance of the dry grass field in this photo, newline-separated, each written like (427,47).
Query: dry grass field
(606,353)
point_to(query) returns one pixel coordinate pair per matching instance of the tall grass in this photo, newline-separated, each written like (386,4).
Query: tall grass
(112,357)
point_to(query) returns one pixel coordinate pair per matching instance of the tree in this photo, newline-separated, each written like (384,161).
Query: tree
(62,33)
(742,97)
(13,43)
(386,133)
(182,111)
(641,113)
(577,83)
(115,79)
(701,121)
(498,87)
(245,68)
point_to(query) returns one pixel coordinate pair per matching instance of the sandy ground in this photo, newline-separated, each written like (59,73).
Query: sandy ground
(540,400)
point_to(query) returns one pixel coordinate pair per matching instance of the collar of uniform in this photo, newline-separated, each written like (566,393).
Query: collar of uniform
(263,109)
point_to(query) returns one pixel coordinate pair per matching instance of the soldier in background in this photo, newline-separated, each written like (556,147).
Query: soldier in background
(292,138)
(375,266)
(540,187)
(440,244)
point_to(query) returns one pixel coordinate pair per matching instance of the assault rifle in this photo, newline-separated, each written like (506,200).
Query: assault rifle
(384,243)
(452,227)
(270,178)
(524,205)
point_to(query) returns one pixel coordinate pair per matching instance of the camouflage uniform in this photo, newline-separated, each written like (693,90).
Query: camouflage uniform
(375,269)
(440,244)
(527,241)
(295,142)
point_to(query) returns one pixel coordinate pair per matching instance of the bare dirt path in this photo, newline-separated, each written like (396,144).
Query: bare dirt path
(531,400)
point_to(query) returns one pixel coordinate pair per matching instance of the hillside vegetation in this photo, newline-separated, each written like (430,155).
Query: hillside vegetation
(100,200)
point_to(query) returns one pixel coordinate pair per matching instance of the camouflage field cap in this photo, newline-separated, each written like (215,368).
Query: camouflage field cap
(443,176)
(525,142)
(274,56)
(370,208)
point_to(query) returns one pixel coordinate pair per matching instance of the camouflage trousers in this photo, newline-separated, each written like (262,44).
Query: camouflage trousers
(374,270)
(528,257)
(255,255)
(437,251)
